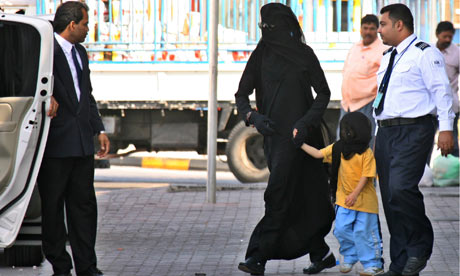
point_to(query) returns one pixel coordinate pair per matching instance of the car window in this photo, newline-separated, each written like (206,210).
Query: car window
(19,59)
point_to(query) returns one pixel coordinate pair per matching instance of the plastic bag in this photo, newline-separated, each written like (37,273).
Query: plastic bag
(446,171)
(427,178)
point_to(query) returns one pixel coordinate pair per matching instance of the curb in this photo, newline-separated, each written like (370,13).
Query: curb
(167,163)
(198,187)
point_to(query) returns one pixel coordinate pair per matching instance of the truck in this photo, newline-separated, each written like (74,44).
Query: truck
(160,104)
(150,71)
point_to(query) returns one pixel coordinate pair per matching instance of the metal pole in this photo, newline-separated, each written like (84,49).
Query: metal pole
(212,102)
(338,8)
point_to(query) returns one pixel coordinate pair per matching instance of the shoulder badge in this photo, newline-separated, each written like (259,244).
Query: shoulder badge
(388,50)
(422,45)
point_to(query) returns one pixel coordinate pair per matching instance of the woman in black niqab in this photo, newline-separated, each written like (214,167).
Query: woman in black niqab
(298,212)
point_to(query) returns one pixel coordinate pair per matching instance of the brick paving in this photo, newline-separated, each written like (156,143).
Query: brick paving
(152,231)
(146,229)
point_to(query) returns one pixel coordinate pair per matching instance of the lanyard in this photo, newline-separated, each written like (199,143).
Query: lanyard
(402,53)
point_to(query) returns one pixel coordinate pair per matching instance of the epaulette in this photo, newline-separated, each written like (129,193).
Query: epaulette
(388,50)
(422,45)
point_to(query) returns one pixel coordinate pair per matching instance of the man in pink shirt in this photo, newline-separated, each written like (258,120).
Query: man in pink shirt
(359,84)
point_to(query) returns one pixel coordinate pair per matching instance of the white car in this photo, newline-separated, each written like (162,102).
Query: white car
(26,85)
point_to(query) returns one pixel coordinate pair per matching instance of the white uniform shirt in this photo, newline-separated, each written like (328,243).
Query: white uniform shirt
(67,49)
(418,84)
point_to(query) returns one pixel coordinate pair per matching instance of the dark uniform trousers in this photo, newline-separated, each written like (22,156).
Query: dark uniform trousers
(69,182)
(401,153)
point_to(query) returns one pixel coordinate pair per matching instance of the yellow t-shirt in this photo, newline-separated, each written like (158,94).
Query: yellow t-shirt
(350,171)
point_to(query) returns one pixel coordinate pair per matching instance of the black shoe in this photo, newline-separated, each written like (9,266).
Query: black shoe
(92,271)
(253,266)
(414,265)
(317,267)
(62,274)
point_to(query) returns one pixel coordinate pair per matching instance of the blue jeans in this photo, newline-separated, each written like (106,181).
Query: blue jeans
(359,237)
(366,110)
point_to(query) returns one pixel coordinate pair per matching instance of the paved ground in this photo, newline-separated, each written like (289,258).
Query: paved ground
(146,229)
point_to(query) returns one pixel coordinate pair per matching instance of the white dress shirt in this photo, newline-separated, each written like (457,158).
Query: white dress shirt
(67,48)
(418,84)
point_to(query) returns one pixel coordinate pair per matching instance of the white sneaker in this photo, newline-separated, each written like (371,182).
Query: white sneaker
(371,271)
(346,267)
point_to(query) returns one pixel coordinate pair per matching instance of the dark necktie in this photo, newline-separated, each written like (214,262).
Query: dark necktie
(386,79)
(77,64)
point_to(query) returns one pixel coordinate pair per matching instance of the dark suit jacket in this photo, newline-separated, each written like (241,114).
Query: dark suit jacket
(72,131)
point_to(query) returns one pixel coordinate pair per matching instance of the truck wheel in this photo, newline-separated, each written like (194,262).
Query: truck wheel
(101,164)
(326,133)
(245,154)
(23,255)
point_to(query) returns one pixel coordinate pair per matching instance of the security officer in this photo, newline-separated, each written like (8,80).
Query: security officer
(413,89)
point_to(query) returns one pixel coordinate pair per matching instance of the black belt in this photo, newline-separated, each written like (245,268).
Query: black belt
(403,121)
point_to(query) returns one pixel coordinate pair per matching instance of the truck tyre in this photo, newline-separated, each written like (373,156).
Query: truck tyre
(101,164)
(326,133)
(23,255)
(245,154)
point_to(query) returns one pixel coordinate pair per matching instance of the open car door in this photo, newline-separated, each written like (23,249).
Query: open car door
(26,67)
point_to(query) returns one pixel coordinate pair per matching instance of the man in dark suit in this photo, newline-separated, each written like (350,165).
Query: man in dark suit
(67,171)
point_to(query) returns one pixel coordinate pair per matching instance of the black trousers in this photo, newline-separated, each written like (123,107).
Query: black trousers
(401,153)
(68,182)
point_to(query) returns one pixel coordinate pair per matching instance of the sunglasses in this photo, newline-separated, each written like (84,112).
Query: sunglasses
(267,26)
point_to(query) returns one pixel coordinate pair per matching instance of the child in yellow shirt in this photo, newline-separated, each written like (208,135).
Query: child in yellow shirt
(356,222)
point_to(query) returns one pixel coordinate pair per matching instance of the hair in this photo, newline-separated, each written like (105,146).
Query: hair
(68,12)
(370,19)
(445,26)
(400,12)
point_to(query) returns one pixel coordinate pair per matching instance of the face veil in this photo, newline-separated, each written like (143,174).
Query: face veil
(282,33)
(355,133)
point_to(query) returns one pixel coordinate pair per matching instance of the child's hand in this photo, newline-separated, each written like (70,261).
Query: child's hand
(351,199)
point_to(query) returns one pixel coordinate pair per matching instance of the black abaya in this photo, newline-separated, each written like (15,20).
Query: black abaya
(298,211)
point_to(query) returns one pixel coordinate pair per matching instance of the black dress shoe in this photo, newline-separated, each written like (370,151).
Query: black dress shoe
(317,267)
(92,271)
(253,266)
(62,274)
(413,266)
